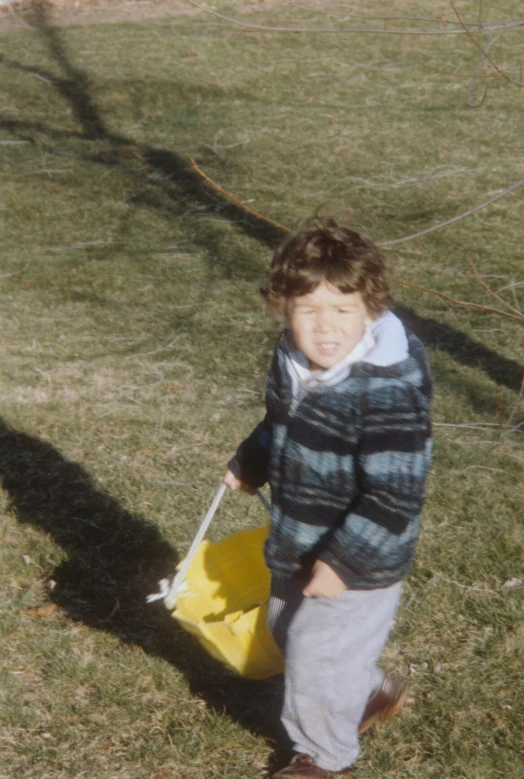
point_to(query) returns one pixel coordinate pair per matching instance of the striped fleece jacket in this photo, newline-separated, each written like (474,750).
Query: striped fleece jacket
(346,464)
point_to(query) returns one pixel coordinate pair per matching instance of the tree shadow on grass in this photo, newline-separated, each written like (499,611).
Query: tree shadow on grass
(170,182)
(115,559)
(464,350)
(177,179)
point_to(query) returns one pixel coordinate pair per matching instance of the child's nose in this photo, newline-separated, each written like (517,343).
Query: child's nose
(324,321)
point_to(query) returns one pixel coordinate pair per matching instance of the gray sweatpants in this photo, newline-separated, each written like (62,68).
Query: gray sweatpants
(331,648)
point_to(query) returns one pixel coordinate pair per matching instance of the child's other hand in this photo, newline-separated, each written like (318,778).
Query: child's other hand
(234,483)
(324,583)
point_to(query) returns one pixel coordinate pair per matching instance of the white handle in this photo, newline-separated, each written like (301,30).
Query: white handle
(169,590)
(170,598)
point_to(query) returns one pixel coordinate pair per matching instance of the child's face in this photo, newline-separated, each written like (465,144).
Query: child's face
(327,324)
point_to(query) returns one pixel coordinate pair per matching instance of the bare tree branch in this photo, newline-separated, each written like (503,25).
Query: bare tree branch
(452,74)
(383,244)
(346,14)
(361,30)
(440,225)
(234,200)
(516,317)
(492,292)
(481,101)
(478,76)
(484,51)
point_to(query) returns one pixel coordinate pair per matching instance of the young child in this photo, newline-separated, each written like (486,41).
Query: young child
(345,446)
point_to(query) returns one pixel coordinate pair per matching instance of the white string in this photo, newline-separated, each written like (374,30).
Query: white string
(169,588)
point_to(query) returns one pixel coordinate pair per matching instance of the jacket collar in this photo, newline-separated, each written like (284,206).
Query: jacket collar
(384,343)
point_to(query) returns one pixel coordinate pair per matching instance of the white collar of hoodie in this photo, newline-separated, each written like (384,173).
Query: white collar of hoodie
(384,343)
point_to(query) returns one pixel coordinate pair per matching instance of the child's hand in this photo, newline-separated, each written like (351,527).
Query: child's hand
(234,483)
(324,583)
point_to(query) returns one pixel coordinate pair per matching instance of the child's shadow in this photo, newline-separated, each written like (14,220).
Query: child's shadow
(115,559)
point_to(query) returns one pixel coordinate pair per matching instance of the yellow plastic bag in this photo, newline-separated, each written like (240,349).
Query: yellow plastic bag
(223,602)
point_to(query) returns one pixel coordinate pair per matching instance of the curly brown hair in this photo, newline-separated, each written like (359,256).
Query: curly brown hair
(327,251)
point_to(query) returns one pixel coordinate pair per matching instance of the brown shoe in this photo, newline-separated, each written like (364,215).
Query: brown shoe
(304,767)
(386,701)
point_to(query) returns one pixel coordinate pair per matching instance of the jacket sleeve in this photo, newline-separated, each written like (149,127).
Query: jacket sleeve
(251,461)
(379,532)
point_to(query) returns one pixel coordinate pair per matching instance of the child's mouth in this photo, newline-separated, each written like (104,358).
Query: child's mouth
(327,347)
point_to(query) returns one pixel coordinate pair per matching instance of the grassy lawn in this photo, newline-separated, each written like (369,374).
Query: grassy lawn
(135,346)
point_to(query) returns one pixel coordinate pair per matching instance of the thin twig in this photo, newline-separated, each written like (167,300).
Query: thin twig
(484,51)
(478,75)
(237,202)
(469,425)
(485,468)
(491,292)
(45,80)
(501,408)
(481,101)
(477,589)
(346,30)
(517,316)
(517,404)
(165,348)
(476,306)
(47,171)
(451,74)
(394,242)
(455,218)
(378,18)
(512,286)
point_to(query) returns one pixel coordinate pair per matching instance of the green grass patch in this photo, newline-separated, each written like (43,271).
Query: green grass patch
(134,352)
